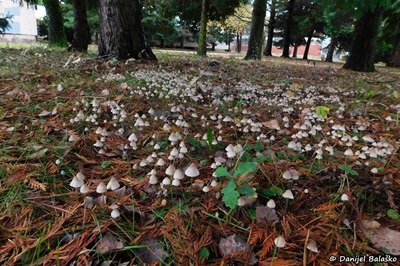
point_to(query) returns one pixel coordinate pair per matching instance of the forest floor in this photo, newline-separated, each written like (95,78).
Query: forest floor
(193,161)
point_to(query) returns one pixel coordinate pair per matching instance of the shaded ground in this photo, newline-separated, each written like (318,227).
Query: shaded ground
(255,131)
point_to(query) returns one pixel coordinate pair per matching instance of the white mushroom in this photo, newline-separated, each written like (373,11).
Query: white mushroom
(132,138)
(192,171)
(170,170)
(288,194)
(153,180)
(113,184)
(166,181)
(178,174)
(271,204)
(312,246)
(176,182)
(84,189)
(72,138)
(115,213)
(160,162)
(76,182)
(344,197)
(348,152)
(101,188)
(291,174)
(280,242)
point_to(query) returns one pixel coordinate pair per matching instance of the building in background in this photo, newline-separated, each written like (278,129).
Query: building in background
(23,22)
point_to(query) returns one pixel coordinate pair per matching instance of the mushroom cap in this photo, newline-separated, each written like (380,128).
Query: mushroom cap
(206,189)
(288,194)
(192,171)
(166,181)
(80,176)
(173,137)
(113,184)
(183,149)
(280,242)
(271,204)
(229,148)
(98,144)
(115,213)
(101,188)
(72,138)
(241,201)
(174,152)
(231,154)
(153,180)
(348,152)
(170,170)
(312,246)
(344,197)
(160,162)
(76,182)
(291,174)
(368,139)
(176,182)
(179,174)
(84,189)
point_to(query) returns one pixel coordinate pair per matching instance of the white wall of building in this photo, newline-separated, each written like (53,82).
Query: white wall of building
(23,20)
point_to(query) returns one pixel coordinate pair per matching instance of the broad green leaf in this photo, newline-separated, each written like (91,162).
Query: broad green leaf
(247,190)
(259,147)
(273,191)
(261,159)
(222,172)
(231,195)
(203,161)
(252,214)
(105,164)
(348,169)
(246,156)
(393,214)
(322,111)
(163,144)
(245,167)
(256,147)
(204,253)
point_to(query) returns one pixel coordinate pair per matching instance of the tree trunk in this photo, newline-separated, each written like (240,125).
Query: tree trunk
(296,46)
(81,38)
(57,37)
(308,44)
(331,50)
(238,42)
(256,38)
(366,34)
(395,59)
(213,46)
(271,27)
(202,49)
(121,30)
(288,28)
